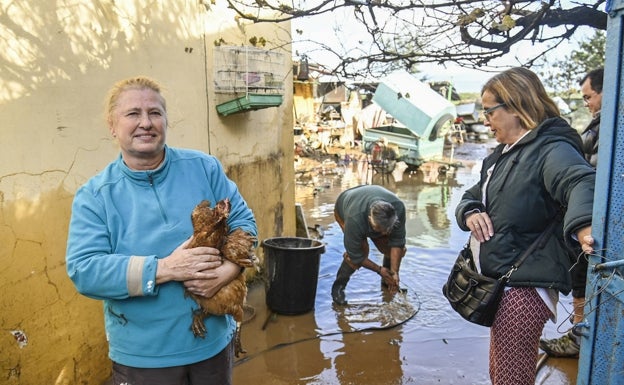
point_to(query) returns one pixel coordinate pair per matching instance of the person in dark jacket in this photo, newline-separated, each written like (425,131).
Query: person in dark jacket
(591,88)
(537,171)
(369,212)
(568,345)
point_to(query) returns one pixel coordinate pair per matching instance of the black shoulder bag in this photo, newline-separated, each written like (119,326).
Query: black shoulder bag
(474,296)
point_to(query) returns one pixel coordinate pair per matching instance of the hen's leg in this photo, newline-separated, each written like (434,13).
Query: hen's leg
(238,315)
(238,346)
(198,327)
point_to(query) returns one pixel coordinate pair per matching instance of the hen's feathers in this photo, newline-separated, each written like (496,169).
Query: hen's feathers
(210,225)
(210,229)
(239,249)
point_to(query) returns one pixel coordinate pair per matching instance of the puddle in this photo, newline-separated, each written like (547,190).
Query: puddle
(411,338)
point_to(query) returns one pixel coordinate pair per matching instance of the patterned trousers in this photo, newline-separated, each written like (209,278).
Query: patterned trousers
(514,337)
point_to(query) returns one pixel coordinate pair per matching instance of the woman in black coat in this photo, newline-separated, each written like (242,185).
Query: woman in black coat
(537,170)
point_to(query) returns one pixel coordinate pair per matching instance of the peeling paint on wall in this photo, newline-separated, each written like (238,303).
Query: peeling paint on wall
(20,337)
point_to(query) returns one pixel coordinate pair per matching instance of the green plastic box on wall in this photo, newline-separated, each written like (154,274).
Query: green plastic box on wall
(249,102)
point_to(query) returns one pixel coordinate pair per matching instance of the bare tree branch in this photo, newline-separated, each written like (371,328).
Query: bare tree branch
(405,33)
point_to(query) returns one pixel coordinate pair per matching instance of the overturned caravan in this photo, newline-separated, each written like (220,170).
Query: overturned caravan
(422,119)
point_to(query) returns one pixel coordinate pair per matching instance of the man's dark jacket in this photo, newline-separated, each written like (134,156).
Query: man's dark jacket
(589,136)
(544,171)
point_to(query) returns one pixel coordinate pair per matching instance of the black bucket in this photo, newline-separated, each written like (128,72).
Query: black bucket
(292,267)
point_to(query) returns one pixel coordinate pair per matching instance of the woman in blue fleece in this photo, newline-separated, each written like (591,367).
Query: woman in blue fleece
(127,236)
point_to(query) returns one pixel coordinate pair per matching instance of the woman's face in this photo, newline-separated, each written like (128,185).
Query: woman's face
(139,122)
(504,124)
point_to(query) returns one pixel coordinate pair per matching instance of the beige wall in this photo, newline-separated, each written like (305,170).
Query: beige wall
(57,60)
(304,103)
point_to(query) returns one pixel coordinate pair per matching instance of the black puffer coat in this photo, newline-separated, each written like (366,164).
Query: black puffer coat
(541,173)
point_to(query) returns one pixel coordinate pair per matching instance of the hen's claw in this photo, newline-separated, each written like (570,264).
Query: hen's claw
(238,347)
(198,327)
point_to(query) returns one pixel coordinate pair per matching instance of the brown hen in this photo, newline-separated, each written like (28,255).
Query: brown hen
(210,229)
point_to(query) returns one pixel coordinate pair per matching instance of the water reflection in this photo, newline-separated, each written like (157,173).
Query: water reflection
(413,337)
(301,360)
(426,194)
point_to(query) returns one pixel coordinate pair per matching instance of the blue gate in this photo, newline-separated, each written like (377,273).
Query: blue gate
(601,358)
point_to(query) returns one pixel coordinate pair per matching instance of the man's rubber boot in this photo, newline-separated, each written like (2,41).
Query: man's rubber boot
(342,277)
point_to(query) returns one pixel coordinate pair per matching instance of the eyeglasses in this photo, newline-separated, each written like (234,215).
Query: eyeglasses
(488,112)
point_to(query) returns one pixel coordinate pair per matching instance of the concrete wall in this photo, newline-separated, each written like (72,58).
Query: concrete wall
(57,61)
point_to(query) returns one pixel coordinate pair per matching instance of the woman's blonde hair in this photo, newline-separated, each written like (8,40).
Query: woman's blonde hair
(523,93)
(134,83)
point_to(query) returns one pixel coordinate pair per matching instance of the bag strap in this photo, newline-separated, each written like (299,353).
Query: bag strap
(538,242)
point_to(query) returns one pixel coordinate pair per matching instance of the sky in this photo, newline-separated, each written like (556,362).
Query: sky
(464,79)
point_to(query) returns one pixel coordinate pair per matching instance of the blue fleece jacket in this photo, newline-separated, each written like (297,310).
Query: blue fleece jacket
(124,220)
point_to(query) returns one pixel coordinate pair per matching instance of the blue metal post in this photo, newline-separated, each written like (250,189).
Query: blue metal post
(601,358)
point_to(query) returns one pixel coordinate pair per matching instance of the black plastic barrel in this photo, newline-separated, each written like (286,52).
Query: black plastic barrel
(292,268)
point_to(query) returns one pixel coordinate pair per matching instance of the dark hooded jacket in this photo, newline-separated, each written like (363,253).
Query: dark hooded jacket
(543,173)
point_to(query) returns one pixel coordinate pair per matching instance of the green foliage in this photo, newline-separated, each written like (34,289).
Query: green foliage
(591,54)
(469,96)
(561,77)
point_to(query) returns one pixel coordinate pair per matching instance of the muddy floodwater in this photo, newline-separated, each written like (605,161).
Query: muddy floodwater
(413,337)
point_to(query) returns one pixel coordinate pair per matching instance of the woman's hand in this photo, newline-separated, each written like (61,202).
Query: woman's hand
(586,240)
(481,226)
(184,264)
(219,277)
